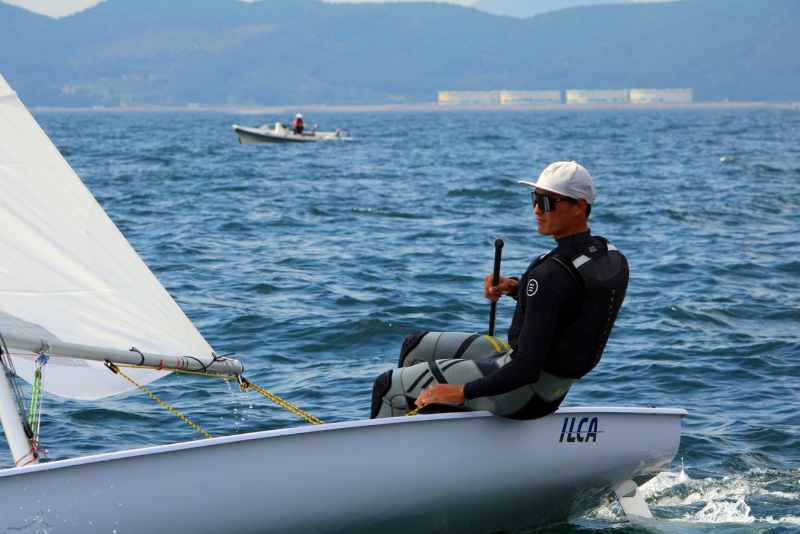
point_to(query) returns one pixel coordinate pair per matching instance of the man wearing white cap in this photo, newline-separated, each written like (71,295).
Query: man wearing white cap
(299,124)
(567,302)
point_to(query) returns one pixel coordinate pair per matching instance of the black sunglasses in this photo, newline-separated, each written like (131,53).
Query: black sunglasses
(545,202)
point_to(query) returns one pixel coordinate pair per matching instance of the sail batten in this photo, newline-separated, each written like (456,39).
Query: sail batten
(66,268)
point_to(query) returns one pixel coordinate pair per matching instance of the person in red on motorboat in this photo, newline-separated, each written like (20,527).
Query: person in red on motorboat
(299,124)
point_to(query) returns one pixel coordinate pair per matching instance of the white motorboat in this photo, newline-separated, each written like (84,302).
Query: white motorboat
(281,133)
(76,297)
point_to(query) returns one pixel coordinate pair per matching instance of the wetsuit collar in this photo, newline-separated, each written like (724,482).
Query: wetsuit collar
(576,241)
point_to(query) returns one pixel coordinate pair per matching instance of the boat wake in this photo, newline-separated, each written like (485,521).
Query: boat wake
(758,497)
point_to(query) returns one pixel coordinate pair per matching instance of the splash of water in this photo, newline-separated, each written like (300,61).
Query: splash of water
(723,512)
(722,500)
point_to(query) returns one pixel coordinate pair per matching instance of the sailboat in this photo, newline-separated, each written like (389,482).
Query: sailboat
(77,302)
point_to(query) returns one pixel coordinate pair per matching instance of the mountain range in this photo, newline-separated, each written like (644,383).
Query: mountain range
(277,52)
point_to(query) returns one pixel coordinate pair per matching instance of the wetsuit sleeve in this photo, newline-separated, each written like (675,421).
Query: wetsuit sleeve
(513,295)
(555,296)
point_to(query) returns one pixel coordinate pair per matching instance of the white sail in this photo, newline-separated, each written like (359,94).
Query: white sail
(68,274)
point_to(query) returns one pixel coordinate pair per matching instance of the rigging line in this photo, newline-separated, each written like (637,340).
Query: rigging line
(37,384)
(8,366)
(35,420)
(134,349)
(41,401)
(204,366)
(244,383)
(114,369)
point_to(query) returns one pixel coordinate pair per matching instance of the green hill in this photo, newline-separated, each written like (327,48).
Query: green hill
(303,51)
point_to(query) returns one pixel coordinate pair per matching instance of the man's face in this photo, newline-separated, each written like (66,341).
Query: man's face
(558,222)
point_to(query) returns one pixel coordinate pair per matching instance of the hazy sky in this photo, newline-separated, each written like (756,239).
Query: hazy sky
(62,8)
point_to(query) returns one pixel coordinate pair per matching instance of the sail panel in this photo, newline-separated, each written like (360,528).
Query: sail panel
(66,267)
(88,381)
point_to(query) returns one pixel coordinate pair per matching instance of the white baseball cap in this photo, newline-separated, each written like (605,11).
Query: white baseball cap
(299,116)
(566,178)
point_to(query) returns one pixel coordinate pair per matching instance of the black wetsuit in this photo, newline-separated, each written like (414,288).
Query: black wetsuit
(548,300)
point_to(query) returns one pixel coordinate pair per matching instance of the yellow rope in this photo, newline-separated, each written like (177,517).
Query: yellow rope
(116,370)
(417,409)
(297,411)
(243,381)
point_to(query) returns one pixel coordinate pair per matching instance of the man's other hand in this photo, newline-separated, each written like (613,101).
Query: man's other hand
(445,393)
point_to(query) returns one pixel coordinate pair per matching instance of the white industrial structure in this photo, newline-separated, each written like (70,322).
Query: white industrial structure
(573,96)
(650,96)
(447,98)
(530,97)
(591,96)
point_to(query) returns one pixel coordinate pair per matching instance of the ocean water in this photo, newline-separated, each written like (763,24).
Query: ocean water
(313,262)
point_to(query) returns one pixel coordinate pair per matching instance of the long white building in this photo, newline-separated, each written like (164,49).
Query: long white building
(650,96)
(449,98)
(530,97)
(590,96)
(573,96)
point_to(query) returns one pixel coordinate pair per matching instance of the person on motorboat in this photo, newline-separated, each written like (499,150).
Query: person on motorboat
(299,124)
(567,303)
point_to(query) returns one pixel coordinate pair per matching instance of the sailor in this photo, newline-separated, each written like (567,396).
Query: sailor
(299,124)
(567,303)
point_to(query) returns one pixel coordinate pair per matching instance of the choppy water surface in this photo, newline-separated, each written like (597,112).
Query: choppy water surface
(312,263)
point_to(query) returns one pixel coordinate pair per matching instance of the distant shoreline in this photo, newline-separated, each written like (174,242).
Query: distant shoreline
(429,107)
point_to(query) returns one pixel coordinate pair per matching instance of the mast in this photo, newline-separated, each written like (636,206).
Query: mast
(17,440)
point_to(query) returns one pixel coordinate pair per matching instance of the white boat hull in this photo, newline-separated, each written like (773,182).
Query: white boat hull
(464,472)
(249,136)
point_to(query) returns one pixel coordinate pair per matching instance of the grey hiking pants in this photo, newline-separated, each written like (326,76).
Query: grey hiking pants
(454,358)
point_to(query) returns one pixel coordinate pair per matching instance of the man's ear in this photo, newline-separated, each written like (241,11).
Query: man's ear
(581,205)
